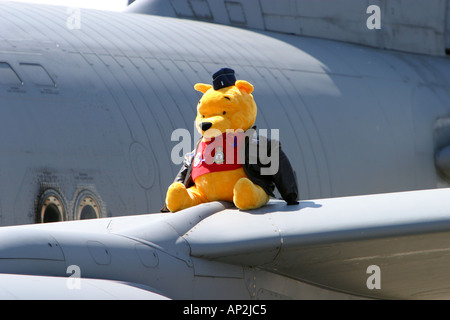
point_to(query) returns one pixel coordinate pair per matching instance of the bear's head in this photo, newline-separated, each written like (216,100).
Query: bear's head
(226,108)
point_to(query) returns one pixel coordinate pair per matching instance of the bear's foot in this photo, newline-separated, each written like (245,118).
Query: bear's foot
(247,195)
(179,198)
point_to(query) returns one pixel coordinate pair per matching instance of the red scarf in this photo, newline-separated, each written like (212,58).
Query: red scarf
(221,153)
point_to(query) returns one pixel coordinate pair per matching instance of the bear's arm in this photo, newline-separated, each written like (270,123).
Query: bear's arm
(285,180)
(184,174)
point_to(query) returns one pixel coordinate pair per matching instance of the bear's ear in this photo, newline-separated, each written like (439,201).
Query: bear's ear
(244,85)
(202,87)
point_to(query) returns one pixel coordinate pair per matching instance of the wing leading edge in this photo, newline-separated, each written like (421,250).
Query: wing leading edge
(331,243)
(334,242)
(28,287)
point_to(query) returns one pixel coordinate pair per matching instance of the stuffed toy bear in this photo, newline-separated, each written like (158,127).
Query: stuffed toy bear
(227,163)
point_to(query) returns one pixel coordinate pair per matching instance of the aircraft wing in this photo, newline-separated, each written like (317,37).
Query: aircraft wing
(334,242)
(391,245)
(31,287)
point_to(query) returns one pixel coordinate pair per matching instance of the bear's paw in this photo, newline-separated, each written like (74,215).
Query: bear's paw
(247,195)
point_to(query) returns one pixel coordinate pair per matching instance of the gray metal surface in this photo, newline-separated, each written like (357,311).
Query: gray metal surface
(26,287)
(149,251)
(402,24)
(332,242)
(320,249)
(91,111)
(86,117)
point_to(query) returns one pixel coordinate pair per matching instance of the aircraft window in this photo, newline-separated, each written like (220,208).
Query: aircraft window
(51,207)
(201,9)
(38,75)
(192,8)
(236,12)
(8,76)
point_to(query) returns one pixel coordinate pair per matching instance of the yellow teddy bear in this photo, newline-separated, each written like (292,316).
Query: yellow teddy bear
(225,166)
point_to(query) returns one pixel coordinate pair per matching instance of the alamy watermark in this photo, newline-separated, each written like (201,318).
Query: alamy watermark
(374,20)
(73,282)
(374,280)
(230,148)
(73,21)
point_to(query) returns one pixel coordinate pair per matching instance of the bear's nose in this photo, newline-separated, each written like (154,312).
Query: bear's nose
(205,125)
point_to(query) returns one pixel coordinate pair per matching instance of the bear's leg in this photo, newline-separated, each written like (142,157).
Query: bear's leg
(247,195)
(179,198)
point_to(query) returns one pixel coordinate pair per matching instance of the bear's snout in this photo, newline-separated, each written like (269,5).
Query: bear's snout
(205,125)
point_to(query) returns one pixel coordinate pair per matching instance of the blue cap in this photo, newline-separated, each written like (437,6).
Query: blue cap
(223,78)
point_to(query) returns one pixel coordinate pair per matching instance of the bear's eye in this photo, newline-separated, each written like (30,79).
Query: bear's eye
(224,112)
(228,98)
(203,116)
